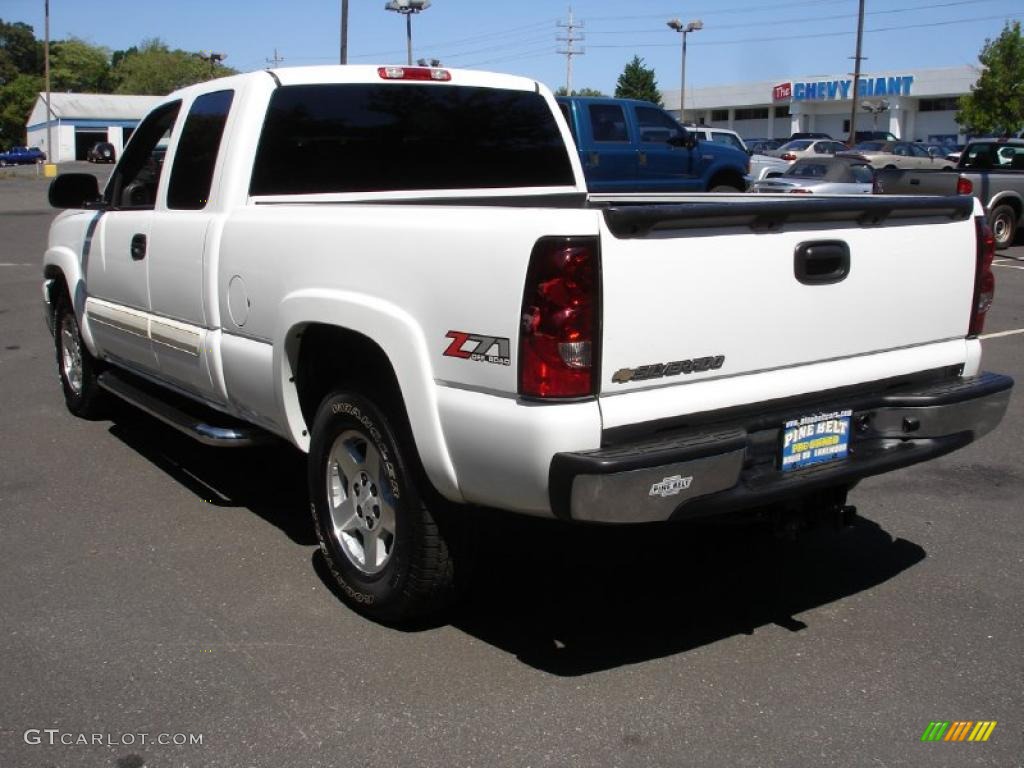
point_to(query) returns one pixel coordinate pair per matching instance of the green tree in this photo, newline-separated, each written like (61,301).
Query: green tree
(638,82)
(996,101)
(17,98)
(156,70)
(77,66)
(20,52)
(581,92)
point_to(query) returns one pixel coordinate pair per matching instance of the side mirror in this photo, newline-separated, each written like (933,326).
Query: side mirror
(74,190)
(750,152)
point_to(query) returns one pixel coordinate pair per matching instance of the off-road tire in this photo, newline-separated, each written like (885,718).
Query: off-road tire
(418,576)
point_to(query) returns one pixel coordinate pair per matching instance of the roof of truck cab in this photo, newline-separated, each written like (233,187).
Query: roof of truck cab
(369,73)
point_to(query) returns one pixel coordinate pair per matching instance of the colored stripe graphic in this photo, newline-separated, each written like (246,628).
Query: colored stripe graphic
(982,730)
(959,730)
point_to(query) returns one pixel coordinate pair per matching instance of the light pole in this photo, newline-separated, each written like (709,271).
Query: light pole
(408,8)
(684,30)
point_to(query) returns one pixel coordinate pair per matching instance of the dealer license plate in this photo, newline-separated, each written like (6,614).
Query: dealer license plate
(815,439)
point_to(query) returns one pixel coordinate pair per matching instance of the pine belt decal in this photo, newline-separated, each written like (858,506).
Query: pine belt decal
(478,348)
(659,370)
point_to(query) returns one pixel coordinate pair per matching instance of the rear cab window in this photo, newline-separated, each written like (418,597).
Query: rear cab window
(339,138)
(196,155)
(608,123)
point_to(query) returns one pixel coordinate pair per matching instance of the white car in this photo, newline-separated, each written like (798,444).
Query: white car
(799,148)
(762,166)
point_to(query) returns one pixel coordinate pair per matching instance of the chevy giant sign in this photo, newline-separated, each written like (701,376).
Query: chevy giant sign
(827,90)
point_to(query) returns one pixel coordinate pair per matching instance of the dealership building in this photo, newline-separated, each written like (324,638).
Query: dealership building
(79,120)
(912,104)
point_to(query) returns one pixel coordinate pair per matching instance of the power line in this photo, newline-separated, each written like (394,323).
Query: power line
(806,19)
(817,34)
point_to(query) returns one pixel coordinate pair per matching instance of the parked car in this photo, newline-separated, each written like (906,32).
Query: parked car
(22,156)
(991,170)
(821,176)
(101,152)
(641,358)
(794,150)
(761,165)
(861,136)
(761,146)
(626,145)
(897,154)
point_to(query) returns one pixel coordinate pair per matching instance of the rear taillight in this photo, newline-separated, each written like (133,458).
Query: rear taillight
(558,336)
(984,280)
(789,156)
(964,186)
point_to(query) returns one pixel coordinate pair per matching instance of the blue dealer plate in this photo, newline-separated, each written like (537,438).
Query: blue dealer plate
(815,439)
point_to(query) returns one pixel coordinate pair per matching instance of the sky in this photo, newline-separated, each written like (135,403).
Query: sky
(742,40)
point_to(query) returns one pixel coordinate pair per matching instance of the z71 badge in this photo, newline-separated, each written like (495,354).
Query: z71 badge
(473,346)
(659,370)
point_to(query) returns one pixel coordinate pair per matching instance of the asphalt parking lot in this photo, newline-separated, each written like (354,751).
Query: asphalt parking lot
(152,586)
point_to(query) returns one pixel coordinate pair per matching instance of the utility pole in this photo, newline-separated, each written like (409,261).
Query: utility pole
(276,61)
(856,76)
(213,58)
(343,58)
(50,157)
(570,27)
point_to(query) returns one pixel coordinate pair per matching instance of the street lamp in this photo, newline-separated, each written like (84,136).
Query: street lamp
(684,29)
(408,8)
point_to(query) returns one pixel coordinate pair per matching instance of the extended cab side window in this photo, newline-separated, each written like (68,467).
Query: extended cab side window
(196,156)
(608,123)
(134,183)
(655,125)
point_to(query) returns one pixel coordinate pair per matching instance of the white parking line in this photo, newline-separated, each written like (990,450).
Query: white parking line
(1008,266)
(9,264)
(1001,333)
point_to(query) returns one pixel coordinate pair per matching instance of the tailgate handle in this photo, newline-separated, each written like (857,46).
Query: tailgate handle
(822,263)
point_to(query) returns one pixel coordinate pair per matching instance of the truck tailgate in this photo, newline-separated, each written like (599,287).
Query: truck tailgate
(709,290)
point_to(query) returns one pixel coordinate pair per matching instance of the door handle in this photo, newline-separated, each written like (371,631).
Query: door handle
(823,262)
(138,247)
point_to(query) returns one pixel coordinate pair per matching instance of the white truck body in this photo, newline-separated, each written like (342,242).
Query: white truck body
(216,307)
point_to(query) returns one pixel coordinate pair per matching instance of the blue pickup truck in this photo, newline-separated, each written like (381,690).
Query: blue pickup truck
(634,146)
(22,156)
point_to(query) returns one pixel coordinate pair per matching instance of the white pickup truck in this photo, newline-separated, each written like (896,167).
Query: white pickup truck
(399,271)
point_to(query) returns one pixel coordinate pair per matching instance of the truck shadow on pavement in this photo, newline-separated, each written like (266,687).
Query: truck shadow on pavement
(269,481)
(571,600)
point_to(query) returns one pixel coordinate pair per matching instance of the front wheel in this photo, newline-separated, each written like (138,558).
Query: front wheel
(76,367)
(1003,221)
(392,557)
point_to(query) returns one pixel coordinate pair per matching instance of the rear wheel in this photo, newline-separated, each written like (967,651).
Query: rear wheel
(1003,220)
(392,557)
(76,367)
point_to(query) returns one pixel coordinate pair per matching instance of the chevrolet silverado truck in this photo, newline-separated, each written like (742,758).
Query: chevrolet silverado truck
(627,145)
(399,270)
(991,170)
